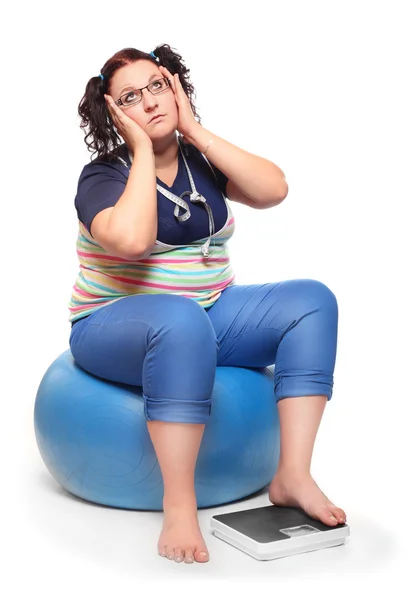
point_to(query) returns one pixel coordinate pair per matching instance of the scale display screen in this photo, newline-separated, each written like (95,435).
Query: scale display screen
(300,530)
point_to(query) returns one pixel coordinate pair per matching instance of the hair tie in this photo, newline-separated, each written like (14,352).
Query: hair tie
(152,54)
(101,76)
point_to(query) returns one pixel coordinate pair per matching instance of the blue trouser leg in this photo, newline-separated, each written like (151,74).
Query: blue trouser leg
(162,342)
(170,345)
(292,324)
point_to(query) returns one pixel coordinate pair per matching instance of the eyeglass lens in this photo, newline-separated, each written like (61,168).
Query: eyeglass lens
(135,96)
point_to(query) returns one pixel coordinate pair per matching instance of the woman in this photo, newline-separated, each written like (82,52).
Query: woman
(163,313)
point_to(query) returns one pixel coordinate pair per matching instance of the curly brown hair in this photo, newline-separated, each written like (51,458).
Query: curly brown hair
(102,137)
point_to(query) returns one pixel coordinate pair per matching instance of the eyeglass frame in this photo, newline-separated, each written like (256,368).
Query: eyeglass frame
(120,103)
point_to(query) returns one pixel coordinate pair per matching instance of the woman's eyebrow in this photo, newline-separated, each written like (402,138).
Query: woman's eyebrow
(133,87)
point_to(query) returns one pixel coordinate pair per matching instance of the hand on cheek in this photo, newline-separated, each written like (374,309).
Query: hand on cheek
(186,120)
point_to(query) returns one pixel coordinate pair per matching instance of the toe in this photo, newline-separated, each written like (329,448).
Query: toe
(189,556)
(340,515)
(178,555)
(337,512)
(327,517)
(201,555)
(169,553)
(162,551)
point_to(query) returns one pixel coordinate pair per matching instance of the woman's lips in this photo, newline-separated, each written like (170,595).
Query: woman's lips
(156,118)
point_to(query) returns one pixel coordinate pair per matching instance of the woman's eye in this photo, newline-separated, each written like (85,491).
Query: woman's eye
(127,98)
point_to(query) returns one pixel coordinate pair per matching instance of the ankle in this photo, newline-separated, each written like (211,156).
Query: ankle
(298,473)
(180,503)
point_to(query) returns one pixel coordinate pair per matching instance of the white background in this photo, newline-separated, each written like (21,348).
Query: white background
(324,90)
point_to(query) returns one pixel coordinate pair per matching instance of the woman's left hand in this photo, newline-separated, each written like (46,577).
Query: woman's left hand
(186,120)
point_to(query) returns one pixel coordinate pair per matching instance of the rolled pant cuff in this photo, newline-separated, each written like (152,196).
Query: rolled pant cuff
(177,411)
(288,388)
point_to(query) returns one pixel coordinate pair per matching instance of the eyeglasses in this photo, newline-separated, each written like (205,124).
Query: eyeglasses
(135,96)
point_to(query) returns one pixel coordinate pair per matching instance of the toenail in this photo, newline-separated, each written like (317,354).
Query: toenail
(178,559)
(333,518)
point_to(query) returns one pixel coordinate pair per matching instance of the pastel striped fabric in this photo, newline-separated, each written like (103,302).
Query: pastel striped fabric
(183,270)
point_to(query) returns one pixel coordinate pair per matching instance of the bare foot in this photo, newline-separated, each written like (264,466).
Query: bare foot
(301,491)
(181,537)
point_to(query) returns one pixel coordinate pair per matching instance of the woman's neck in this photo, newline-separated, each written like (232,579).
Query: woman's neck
(165,153)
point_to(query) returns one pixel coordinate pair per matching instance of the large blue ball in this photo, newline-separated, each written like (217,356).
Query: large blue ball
(93,437)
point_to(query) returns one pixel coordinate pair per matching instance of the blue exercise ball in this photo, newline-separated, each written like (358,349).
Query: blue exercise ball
(93,438)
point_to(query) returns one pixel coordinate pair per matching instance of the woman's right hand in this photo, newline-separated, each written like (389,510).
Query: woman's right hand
(133,134)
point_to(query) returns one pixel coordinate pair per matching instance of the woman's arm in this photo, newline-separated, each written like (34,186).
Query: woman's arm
(133,222)
(251,177)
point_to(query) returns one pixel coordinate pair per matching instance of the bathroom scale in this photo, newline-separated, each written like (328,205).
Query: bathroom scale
(269,532)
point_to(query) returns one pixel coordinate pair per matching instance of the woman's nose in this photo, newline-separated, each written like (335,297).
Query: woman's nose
(148,99)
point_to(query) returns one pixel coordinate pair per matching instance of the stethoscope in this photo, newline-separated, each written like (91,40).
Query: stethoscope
(195,197)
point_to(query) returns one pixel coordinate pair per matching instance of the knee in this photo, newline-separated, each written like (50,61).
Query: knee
(188,322)
(318,295)
(322,292)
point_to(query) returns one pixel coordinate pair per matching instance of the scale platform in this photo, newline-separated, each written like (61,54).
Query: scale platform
(270,532)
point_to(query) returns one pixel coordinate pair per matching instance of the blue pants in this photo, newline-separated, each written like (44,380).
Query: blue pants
(170,345)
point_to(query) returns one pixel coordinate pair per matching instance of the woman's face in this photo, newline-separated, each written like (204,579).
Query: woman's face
(137,75)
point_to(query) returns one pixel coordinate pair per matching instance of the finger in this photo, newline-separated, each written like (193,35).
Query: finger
(108,99)
(166,70)
(178,82)
(113,109)
(113,116)
(170,78)
(167,74)
(108,102)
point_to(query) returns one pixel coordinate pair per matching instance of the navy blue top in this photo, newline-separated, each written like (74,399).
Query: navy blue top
(101,184)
